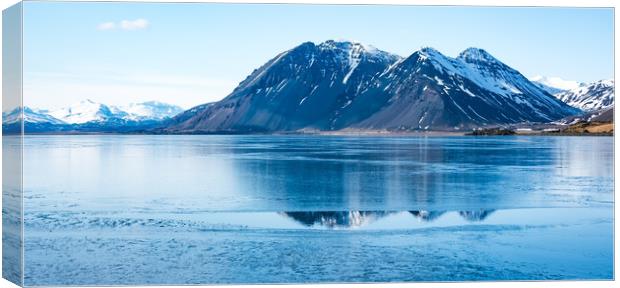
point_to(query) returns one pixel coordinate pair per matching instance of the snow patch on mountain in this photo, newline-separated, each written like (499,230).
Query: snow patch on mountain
(555,85)
(351,54)
(353,51)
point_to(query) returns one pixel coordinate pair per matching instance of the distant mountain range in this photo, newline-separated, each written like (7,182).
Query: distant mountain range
(89,111)
(347,85)
(589,97)
(342,85)
(90,116)
(593,96)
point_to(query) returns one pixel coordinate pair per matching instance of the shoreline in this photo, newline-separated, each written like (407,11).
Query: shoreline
(370,133)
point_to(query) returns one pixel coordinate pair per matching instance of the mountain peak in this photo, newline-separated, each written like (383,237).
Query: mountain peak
(473,54)
(341,47)
(355,48)
(346,45)
(304,45)
(430,51)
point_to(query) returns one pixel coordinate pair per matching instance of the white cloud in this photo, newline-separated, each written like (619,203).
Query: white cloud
(124,25)
(106,26)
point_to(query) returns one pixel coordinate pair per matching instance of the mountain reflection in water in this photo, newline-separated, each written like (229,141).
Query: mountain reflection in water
(335,219)
(427,215)
(475,216)
(348,219)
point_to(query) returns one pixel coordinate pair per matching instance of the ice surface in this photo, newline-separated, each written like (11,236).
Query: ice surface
(157,209)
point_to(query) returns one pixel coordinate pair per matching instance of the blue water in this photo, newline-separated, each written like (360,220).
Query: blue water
(104,209)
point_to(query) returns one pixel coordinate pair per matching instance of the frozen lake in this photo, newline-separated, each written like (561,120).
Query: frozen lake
(194,209)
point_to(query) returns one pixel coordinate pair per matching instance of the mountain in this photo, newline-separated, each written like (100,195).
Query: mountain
(299,88)
(347,85)
(84,111)
(33,120)
(29,116)
(585,96)
(187,114)
(151,110)
(590,97)
(430,91)
(90,111)
(555,85)
(603,115)
(90,116)
(599,122)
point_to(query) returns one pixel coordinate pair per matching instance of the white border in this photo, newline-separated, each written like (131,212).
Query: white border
(532,3)
(503,3)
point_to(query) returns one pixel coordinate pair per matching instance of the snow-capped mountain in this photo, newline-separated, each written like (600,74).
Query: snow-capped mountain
(187,114)
(33,120)
(555,85)
(84,111)
(151,110)
(304,86)
(89,111)
(590,97)
(29,116)
(431,91)
(90,116)
(339,85)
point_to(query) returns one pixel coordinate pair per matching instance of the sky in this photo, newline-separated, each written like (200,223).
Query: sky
(193,53)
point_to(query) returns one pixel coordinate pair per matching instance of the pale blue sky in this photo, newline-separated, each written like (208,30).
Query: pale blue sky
(188,54)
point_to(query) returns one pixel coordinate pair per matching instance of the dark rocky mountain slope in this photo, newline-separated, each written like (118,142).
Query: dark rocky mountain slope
(346,85)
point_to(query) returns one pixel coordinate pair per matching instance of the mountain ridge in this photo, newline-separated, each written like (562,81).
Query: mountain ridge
(322,87)
(90,116)
(347,85)
(594,96)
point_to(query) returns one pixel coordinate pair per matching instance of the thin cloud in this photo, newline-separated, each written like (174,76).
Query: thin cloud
(136,24)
